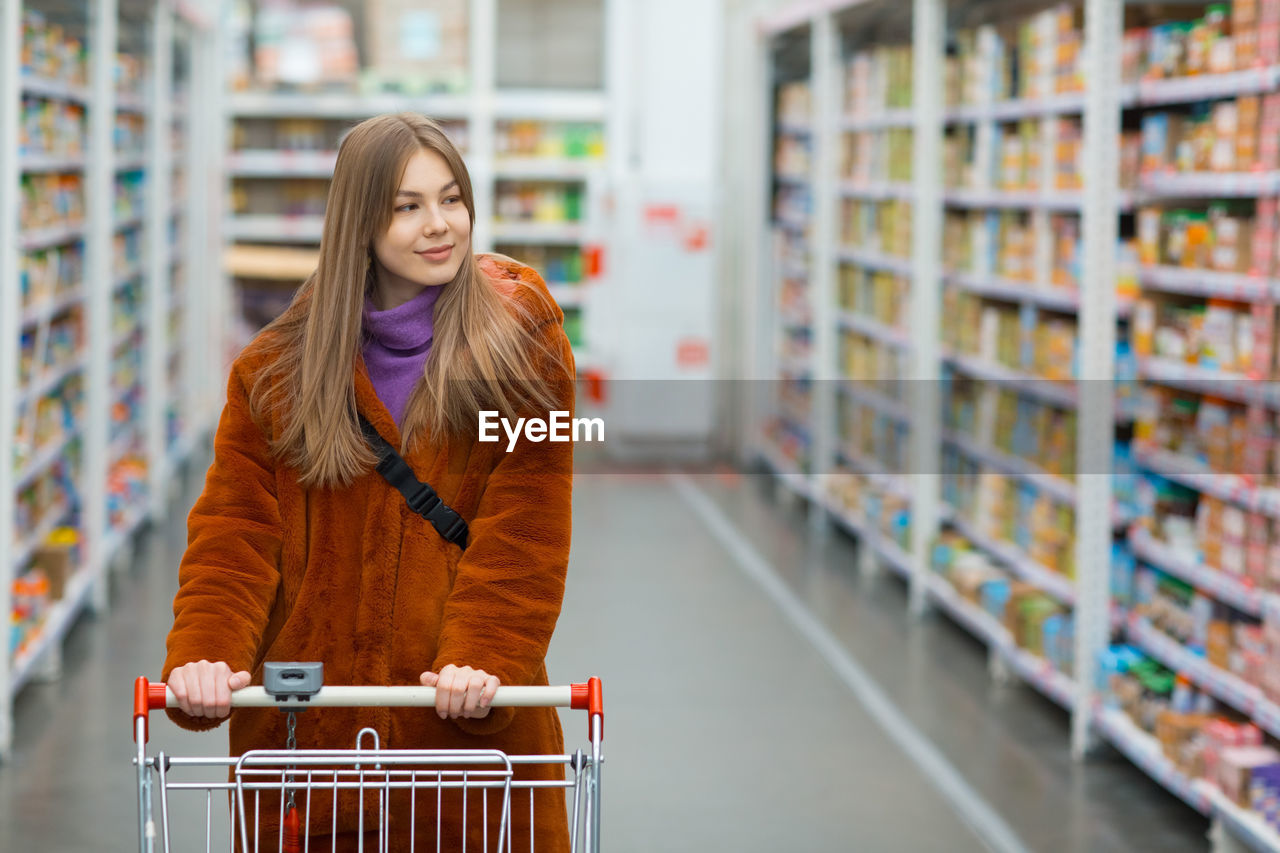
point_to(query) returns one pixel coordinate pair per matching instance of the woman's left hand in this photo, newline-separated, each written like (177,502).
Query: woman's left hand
(462,691)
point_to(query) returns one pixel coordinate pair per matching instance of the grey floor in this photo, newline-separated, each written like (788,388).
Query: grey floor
(725,729)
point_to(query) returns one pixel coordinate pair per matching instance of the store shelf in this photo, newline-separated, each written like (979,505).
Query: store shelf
(1057,585)
(889,552)
(883,481)
(124,443)
(129,221)
(1063,394)
(545,233)
(130,275)
(33,164)
(1036,671)
(1208,283)
(874,260)
(130,162)
(1226,588)
(878,192)
(119,339)
(54,90)
(270,262)
(1010,290)
(1204,87)
(45,383)
(1225,686)
(46,238)
(344,106)
(792,222)
(796,180)
(1014,200)
(62,615)
(883,404)
(786,471)
(874,329)
(1056,487)
(550,105)
(889,119)
(27,547)
(130,102)
(1198,476)
(267,228)
(793,127)
(46,311)
(1165,185)
(547,169)
(1016,109)
(1205,380)
(1144,750)
(568,295)
(281,164)
(43,459)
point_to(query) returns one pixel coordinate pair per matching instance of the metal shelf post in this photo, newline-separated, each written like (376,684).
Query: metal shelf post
(1095,437)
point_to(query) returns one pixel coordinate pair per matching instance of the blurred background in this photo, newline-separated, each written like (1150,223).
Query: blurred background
(935,340)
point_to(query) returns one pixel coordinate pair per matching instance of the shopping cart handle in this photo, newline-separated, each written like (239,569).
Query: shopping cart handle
(589,697)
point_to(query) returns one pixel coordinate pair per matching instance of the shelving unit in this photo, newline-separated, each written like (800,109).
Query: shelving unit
(1049,327)
(86,280)
(540,163)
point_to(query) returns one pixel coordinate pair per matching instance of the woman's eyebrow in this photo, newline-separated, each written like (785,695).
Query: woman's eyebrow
(415,194)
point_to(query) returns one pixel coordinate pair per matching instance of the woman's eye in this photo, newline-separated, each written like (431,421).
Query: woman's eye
(453,199)
(405,207)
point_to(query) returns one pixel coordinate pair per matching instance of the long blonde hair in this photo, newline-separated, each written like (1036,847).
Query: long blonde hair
(486,351)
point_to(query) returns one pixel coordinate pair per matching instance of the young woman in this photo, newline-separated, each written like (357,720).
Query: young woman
(299,550)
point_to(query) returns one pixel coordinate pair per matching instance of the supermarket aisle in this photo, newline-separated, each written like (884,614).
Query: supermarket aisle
(725,729)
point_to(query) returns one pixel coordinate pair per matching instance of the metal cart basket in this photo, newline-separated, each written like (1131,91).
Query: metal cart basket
(272,793)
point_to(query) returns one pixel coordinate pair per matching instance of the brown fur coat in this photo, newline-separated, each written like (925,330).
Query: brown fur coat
(352,577)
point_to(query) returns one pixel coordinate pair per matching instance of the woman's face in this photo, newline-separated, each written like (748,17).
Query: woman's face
(429,235)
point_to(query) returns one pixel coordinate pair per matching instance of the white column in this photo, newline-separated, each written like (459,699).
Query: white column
(480,118)
(10,306)
(823,179)
(159,208)
(1104,20)
(928,19)
(99,279)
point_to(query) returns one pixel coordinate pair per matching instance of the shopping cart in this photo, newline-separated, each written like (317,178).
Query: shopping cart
(288,784)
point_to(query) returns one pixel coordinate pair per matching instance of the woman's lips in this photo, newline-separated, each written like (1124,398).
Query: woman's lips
(439,255)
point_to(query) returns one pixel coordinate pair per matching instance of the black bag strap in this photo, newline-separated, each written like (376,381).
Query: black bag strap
(421,498)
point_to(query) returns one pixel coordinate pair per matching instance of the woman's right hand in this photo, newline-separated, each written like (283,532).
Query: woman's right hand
(204,689)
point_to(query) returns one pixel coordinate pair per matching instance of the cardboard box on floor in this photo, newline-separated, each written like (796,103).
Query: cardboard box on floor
(417,46)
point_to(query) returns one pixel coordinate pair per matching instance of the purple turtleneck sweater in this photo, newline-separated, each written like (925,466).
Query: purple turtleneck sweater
(396,346)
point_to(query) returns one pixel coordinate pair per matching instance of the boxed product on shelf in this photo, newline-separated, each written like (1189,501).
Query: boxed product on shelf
(130,136)
(556,264)
(864,358)
(792,156)
(418,45)
(51,275)
(792,204)
(57,558)
(305,46)
(1218,334)
(795,103)
(49,127)
(878,79)
(883,296)
(126,489)
(882,227)
(50,201)
(874,157)
(559,140)
(130,194)
(538,201)
(1220,238)
(49,52)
